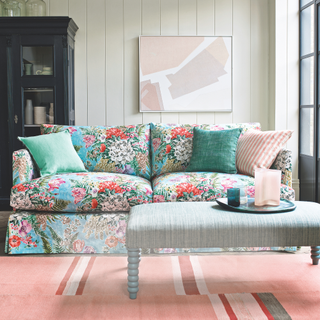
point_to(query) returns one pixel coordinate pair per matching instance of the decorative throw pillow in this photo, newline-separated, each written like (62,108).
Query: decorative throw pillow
(171,144)
(54,153)
(214,151)
(120,149)
(259,149)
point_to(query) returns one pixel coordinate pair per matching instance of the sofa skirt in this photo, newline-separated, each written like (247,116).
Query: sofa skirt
(53,232)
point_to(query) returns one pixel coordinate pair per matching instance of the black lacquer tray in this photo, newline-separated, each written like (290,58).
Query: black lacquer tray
(285,206)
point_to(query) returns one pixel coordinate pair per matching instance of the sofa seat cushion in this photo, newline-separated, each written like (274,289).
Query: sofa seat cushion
(82,192)
(203,186)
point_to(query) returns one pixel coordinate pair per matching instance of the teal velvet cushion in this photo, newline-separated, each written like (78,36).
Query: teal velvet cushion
(54,153)
(214,151)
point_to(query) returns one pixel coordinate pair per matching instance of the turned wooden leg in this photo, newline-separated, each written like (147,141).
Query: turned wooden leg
(315,255)
(133,271)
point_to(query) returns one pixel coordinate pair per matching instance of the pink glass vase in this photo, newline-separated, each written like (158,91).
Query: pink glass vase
(267,187)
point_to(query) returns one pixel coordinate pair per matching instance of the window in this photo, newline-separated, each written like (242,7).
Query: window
(309,100)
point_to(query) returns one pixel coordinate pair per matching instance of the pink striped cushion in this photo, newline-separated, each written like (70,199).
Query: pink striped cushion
(259,149)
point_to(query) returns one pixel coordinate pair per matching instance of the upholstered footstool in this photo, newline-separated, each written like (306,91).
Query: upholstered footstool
(207,225)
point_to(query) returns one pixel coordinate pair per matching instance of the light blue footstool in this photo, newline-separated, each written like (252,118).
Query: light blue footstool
(207,225)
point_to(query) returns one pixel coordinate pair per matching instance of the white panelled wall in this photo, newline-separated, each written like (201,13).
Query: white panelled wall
(106,58)
(284,74)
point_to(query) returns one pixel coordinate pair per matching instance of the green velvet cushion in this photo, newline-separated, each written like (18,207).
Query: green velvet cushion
(214,151)
(54,153)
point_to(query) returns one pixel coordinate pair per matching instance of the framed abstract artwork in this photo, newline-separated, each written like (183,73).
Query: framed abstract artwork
(185,74)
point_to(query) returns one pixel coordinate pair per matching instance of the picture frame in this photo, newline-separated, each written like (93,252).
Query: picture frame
(185,74)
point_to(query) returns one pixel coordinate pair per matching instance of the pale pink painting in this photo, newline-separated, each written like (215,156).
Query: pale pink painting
(185,73)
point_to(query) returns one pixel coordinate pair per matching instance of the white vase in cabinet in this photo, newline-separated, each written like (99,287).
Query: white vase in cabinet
(28,114)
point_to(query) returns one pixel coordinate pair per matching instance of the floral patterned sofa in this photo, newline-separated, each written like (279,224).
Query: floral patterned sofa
(87,212)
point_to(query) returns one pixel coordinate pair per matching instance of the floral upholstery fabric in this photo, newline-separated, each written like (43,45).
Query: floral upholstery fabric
(82,192)
(283,162)
(23,168)
(66,233)
(171,144)
(47,232)
(203,186)
(122,149)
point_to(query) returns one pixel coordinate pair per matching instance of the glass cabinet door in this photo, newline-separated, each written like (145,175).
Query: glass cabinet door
(37,60)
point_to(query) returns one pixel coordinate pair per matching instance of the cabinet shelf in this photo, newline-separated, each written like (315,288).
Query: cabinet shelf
(37,90)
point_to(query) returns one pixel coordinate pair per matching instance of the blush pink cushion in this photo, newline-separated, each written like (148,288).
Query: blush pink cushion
(259,149)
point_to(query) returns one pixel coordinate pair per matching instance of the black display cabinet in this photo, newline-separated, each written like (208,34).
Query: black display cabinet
(36,83)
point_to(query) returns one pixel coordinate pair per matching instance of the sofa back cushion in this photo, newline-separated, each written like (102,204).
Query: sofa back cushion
(121,149)
(171,144)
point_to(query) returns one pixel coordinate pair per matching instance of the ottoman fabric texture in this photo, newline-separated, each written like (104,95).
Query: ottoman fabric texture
(201,225)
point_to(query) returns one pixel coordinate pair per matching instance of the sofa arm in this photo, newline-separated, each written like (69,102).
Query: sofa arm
(23,167)
(283,162)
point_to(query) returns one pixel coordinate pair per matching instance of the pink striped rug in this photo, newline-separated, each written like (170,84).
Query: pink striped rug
(256,286)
